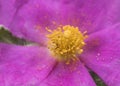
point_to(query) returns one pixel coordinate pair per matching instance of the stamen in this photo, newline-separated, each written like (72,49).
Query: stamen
(66,42)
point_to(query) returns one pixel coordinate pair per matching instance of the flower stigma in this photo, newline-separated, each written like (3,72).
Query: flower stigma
(66,42)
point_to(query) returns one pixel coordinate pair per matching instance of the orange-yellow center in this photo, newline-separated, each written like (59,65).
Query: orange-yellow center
(66,42)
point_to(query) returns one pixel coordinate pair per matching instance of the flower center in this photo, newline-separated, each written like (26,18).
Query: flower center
(66,42)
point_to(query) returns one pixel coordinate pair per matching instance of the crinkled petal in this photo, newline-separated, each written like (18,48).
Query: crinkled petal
(29,18)
(102,55)
(24,65)
(69,75)
(89,15)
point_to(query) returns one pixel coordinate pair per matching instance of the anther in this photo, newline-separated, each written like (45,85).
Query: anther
(66,42)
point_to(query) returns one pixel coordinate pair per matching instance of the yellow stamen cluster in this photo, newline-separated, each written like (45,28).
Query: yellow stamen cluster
(66,42)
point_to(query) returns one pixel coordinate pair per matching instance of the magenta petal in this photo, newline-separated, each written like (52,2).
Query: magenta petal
(27,18)
(6,11)
(90,15)
(24,65)
(69,75)
(102,55)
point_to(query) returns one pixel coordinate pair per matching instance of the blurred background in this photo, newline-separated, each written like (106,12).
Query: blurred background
(6,37)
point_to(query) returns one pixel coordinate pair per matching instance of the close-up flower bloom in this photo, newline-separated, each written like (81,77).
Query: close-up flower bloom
(69,39)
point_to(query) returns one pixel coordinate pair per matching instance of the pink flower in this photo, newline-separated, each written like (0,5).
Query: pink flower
(38,21)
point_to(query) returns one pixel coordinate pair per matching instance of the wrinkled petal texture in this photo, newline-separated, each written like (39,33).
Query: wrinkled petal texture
(24,66)
(102,54)
(69,75)
(90,15)
(26,18)
(29,18)
(33,66)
